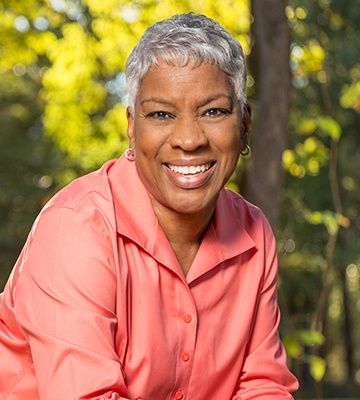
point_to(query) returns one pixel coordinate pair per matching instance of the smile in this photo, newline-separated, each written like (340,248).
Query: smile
(189,170)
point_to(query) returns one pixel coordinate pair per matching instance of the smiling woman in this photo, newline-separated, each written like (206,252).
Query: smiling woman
(148,279)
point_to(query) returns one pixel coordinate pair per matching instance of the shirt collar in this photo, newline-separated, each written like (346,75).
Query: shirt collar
(226,237)
(135,217)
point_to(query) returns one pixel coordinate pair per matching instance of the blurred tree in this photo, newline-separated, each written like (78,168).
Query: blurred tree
(319,236)
(24,157)
(271,39)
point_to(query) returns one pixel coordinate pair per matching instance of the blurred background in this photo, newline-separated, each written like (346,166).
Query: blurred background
(62,114)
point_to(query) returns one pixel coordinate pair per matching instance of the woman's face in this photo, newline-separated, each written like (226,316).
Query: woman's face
(187,132)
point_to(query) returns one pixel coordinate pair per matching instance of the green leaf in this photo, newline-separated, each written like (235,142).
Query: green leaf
(331,222)
(330,127)
(292,346)
(311,337)
(317,367)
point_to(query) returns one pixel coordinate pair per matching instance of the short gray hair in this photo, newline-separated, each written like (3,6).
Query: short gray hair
(187,38)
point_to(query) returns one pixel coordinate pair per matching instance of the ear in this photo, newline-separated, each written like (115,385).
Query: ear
(246,125)
(131,127)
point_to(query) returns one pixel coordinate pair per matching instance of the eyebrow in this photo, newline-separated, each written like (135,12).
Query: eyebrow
(204,103)
(156,100)
(217,97)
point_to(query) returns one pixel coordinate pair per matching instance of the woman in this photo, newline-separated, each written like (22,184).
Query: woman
(147,279)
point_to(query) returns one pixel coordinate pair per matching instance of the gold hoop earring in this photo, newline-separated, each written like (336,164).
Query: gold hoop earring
(246,151)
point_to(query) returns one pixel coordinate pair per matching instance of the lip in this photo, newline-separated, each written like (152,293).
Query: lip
(189,179)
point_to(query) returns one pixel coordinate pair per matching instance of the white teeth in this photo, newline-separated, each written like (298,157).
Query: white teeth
(190,170)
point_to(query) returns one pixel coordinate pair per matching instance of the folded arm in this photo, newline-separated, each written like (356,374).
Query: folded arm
(65,304)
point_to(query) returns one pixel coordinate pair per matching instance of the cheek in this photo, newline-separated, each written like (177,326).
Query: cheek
(142,141)
(231,147)
(148,139)
(230,140)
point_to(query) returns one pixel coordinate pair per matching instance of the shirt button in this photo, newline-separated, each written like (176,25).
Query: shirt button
(178,395)
(187,318)
(185,356)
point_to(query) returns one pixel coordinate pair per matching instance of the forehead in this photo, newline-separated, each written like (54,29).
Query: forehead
(175,81)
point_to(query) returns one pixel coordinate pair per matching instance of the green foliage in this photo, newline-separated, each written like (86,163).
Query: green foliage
(320,224)
(317,367)
(297,347)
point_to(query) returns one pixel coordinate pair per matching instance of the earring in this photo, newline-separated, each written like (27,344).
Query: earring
(129,154)
(246,151)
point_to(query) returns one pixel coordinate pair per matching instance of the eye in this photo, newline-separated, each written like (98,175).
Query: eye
(159,115)
(216,112)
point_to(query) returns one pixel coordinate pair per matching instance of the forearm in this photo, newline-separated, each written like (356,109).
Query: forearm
(67,316)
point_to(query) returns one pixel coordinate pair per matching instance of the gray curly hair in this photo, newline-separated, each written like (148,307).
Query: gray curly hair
(186,38)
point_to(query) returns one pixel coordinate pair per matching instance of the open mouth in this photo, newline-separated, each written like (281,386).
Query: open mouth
(190,170)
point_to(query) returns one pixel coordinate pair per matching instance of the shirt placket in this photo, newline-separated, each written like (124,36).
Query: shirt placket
(187,326)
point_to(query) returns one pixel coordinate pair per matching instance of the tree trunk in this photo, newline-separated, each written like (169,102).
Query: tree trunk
(347,329)
(271,39)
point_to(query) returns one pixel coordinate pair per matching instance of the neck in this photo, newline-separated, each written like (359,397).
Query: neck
(184,232)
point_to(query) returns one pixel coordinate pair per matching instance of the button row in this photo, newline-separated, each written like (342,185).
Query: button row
(178,395)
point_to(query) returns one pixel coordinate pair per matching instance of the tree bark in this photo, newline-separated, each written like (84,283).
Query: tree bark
(347,329)
(271,37)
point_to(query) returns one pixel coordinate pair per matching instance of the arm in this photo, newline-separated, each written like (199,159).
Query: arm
(265,373)
(65,304)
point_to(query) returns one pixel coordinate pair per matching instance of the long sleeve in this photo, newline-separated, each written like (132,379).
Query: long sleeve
(64,302)
(264,373)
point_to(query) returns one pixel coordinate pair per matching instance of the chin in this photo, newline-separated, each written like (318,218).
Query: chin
(187,207)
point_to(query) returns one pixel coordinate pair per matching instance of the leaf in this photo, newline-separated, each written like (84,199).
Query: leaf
(292,346)
(350,96)
(307,126)
(314,217)
(317,367)
(331,222)
(330,127)
(311,337)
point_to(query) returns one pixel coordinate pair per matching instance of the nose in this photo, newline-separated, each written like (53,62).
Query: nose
(188,135)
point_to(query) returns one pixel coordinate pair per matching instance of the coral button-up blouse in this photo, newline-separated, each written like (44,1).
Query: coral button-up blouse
(97,306)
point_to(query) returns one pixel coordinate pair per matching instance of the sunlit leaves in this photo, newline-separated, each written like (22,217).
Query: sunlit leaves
(350,97)
(297,347)
(309,156)
(307,58)
(39,43)
(306,158)
(323,152)
(331,220)
(109,8)
(317,367)
(329,127)
(304,338)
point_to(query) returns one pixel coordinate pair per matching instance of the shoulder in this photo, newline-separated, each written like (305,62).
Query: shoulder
(86,199)
(90,188)
(239,212)
(237,205)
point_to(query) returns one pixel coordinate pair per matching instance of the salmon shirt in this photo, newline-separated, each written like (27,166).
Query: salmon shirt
(97,306)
